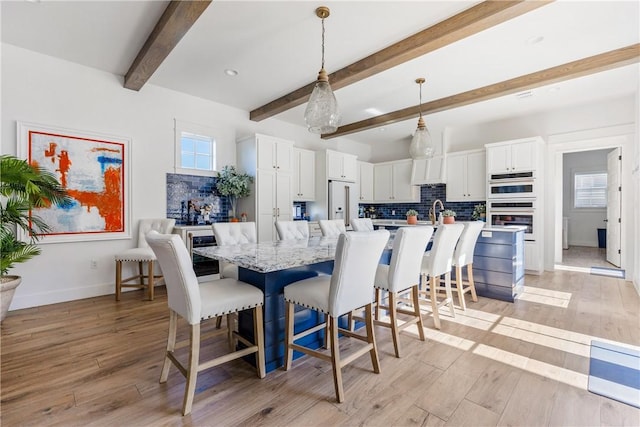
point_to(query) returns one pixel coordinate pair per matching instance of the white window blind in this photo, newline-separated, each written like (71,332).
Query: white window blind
(590,190)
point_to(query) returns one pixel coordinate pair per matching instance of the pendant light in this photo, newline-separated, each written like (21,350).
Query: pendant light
(322,115)
(421,145)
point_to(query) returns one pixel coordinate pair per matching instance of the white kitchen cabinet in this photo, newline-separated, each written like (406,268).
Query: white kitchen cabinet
(342,166)
(304,175)
(466,176)
(392,182)
(428,171)
(533,257)
(513,156)
(365,176)
(270,161)
(274,153)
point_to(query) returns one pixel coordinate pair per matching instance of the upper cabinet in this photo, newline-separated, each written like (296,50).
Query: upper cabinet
(365,176)
(428,171)
(274,153)
(513,156)
(392,182)
(342,166)
(466,176)
(304,175)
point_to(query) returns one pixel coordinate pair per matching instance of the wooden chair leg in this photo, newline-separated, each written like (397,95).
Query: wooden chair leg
(118,280)
(447,284)
(378,302)
(288,334)
(192,370)
(434,301)
(218,322)
(371,338)
(472,283)
(150,279)
(258,333)
(460,288)
(335,358)
(230,338)
(171,345)
(394,322)
(416,309)
(327,332)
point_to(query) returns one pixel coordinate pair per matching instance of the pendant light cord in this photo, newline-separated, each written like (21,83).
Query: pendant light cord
(420,108)
(322,44)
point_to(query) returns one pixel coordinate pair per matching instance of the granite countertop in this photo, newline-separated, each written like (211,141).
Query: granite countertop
(267,257)
(403,223)
(193,227)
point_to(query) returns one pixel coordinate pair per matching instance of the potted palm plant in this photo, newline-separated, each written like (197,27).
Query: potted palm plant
(23,187)
(448,216)
(412,216)
(233,184)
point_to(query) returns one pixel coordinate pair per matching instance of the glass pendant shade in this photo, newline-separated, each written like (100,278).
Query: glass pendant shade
(322,115)
(421,145)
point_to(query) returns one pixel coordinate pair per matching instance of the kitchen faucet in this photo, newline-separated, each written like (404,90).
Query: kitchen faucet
(434,210)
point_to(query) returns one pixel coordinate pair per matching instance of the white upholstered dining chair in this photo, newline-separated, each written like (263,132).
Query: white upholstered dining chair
(438,262)
(361,224)
(233,233)
(348,288)
(197,302)
(292,230)
(463,257)
(402,275)
(142,254)
(332,228)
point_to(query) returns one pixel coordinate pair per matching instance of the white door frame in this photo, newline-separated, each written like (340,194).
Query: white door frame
(595,139)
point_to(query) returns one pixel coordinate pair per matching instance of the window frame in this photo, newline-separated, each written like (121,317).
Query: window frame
(578,172)
(218,136)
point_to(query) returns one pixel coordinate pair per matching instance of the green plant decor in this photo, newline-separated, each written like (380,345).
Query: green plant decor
(24,187)
(233,184)
(448,212)
(479,211)
(412,212)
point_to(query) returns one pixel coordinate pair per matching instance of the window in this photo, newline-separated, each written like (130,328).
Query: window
(198,147)
(590,190)
(197,151)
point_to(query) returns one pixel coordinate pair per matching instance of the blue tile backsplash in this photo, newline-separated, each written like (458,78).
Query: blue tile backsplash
(193,200)
(428,194)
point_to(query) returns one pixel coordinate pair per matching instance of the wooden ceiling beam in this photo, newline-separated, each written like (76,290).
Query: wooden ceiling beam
(582,67)
(174,23)
(467,23)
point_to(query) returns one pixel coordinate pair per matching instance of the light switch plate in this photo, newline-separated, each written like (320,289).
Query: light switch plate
(486,234)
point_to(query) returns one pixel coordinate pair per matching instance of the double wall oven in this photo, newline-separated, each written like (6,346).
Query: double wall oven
(511,200)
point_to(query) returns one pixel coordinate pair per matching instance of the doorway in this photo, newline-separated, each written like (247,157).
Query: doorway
(590,208)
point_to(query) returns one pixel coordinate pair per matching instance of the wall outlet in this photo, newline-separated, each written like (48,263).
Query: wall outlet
(94,264)
(393,212)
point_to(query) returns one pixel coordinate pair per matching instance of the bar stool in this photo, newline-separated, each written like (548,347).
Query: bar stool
(402,275)
(438,262)
(196,302)
(141,255)
(463,257)
(361,224)
(332,227)
(233,233)
(292,230)
(348,288)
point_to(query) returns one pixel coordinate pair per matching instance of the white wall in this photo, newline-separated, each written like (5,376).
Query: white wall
(583,223)
(45,90)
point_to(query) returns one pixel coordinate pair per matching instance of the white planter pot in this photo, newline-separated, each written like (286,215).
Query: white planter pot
(8,285)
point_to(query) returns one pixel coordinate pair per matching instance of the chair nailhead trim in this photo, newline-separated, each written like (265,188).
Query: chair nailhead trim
(308,306)
(232,311)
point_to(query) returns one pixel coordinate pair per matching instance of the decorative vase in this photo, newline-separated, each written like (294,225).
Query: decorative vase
(412,219)
(7,289)
(448,220)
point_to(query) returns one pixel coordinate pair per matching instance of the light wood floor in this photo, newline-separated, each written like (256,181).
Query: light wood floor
(585,256)
(97,362)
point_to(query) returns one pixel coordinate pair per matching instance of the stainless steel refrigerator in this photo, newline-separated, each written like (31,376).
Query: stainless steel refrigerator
(343,201)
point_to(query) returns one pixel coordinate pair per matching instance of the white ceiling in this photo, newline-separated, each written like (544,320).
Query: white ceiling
(275,47)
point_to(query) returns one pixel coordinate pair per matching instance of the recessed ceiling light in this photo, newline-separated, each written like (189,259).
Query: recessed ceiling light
(535,39)
(231,72)
(554,89)
(525,94)
(381,129)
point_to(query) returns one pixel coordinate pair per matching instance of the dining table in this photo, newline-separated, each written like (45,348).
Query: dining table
(270,266)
